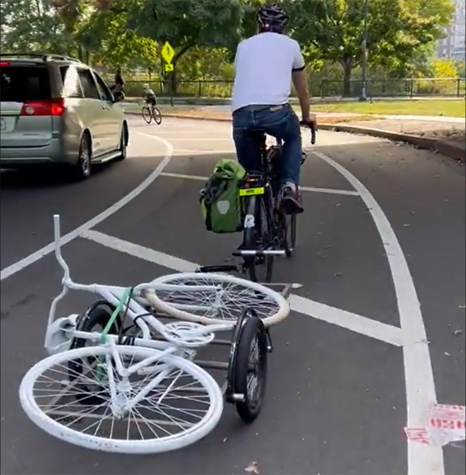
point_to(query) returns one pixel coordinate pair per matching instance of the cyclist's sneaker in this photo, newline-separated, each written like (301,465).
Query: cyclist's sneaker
(290,201)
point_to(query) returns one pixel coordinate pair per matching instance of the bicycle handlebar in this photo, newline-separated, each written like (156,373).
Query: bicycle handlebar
(312,125)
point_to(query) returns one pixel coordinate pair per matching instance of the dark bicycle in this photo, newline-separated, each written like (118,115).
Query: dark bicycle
(268,231)
(150,112)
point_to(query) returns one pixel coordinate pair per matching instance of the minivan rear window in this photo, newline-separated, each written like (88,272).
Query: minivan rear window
(24,83)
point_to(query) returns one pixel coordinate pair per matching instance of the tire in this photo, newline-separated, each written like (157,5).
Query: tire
(44,420)
(269,305)
(157,115)
(146,114)
(288,230)
(123,144)
(82,168)
(257,207)
(250,408)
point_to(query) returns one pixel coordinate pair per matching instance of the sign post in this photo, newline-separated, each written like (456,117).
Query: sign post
(167,54)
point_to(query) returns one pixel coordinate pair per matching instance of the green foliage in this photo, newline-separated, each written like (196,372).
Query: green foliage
(204,33)
(334,29)
(187,23)
(30,25)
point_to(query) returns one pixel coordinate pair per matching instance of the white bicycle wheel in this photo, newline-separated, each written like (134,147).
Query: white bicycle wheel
(211,307)
(77,406)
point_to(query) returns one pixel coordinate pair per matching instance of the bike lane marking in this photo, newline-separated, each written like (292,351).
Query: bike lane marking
(419,377)
(302,188)
(342,318)
(44,251)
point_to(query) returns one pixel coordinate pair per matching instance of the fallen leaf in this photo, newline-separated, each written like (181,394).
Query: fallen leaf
(458,332)
(253,468)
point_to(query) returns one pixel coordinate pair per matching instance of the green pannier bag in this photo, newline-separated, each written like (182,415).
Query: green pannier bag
(220,201)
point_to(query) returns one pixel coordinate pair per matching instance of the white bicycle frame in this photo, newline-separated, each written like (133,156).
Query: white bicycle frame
(114,295)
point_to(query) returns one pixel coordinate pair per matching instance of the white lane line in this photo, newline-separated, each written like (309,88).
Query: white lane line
(302,188)
(350,321)
(145,253)
(205,139)
(203,152)
(356,323)
(420,385)
(329,190)
(186,177)
(35,256)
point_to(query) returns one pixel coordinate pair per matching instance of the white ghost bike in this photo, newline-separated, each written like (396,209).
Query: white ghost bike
(120,380)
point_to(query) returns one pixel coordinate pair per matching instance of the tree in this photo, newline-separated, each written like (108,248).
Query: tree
(30,25)
(184,23)
(75,16)
(333,30)
(115,44)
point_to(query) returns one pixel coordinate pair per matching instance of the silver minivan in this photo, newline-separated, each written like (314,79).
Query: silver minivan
(55,110)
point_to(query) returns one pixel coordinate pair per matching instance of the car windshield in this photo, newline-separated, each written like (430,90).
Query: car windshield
(24,83)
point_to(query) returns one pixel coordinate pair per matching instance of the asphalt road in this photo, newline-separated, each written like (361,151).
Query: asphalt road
(347,361)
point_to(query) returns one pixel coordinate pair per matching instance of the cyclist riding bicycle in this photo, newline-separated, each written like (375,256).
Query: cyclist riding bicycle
(265,64)
(149,96)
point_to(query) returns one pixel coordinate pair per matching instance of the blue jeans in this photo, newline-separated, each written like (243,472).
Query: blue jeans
(282,124)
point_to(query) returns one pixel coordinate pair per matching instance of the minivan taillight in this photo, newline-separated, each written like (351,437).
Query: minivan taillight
(4,63)
(54,107)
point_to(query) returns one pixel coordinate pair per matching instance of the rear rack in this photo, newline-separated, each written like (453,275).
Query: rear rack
(45,57)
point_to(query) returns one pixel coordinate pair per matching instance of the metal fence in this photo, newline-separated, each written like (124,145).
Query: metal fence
(412,87)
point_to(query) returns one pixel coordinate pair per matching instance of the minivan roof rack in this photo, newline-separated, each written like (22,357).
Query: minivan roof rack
(44,56)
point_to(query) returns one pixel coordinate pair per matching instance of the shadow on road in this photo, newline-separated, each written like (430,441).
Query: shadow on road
(43,178)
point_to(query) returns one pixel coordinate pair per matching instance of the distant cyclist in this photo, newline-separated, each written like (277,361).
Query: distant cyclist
(265,65)
(149,96)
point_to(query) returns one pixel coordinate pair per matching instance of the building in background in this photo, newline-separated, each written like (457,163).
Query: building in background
(453,45)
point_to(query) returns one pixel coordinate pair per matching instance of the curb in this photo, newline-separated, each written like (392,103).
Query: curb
(446,148)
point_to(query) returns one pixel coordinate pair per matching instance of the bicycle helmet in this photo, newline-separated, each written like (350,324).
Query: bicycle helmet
(272,17)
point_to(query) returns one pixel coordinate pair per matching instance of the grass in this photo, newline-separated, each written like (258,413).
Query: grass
(433,107)
(430,107)
(222,114)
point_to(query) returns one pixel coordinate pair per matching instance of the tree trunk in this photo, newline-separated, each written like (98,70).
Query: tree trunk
(347,71)
(173,76)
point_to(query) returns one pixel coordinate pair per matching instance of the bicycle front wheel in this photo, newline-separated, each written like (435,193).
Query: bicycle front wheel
(157,115)
(223,303)
(181,409)
(147,114)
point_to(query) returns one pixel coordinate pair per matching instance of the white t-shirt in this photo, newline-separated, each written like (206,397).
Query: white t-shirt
(264,64)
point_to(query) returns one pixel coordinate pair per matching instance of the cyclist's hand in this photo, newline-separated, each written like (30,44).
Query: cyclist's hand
(311,123)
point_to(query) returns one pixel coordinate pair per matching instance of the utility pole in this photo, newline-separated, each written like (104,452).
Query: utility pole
(363,96)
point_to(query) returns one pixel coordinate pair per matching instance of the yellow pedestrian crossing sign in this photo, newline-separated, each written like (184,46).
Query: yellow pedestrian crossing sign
(168,68)
(168,52)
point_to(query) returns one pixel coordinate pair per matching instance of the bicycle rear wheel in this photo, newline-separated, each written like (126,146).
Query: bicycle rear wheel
(147,114)
(258,238)
(288,229)
(224,303)
(157,115)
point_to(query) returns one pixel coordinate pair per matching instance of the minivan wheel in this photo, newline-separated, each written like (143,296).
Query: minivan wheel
(82,168)
(123,144)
